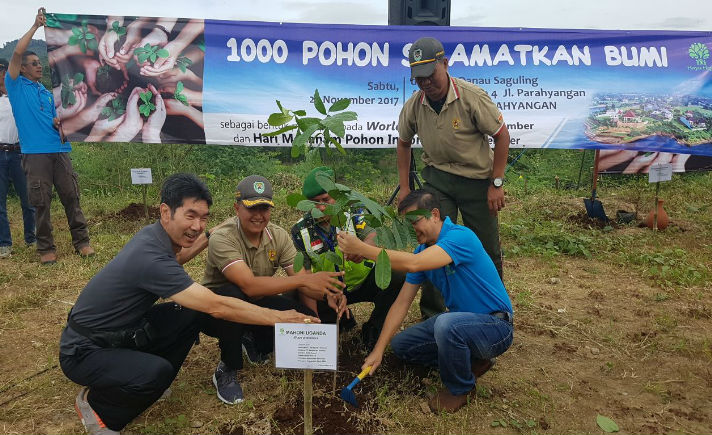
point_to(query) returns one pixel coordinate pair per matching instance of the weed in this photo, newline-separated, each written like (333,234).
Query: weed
(524,299)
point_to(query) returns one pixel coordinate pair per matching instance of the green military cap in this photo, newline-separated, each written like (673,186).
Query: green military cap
(311,187)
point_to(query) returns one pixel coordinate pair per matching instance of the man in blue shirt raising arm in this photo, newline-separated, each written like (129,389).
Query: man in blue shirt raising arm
(45,155)
(477,327)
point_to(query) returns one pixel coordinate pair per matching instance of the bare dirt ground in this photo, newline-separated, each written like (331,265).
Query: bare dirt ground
(592,337)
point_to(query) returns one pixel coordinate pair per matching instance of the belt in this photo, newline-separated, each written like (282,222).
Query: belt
(503,315)
(9,147)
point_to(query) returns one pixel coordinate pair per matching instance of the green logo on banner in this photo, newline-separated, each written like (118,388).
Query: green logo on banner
(700,53)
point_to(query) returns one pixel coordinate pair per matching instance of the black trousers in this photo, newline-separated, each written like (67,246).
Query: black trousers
(125,382)
(229,334)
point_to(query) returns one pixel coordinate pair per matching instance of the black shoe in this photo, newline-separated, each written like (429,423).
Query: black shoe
(225,381)
(249,347)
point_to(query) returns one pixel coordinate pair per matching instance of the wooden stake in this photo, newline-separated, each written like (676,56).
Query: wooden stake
(145,204)
(308,402)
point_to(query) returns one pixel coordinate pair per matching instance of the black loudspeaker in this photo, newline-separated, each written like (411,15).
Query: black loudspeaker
(419,12)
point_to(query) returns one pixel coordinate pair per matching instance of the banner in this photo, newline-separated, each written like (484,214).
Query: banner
(642,91)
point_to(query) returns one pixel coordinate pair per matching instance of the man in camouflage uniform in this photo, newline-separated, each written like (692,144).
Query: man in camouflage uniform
(319,236)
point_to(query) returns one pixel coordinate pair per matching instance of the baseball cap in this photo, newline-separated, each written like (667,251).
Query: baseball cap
(311,187)
(254,190)
(3,63)
(423,56)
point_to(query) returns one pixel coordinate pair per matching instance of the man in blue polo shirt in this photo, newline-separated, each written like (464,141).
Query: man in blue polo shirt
(45,155)
(477,327)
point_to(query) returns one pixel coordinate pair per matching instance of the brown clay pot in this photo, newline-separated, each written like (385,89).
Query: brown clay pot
(663,218)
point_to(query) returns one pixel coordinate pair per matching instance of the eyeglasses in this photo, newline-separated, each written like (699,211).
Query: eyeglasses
(34,63)
(415,220)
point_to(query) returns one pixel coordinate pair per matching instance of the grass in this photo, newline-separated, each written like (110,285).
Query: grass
(640,299)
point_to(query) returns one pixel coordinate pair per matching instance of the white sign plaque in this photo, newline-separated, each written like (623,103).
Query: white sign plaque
(305,346)
(141,176)
(660,172)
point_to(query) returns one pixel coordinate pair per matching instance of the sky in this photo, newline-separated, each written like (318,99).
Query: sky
(18,16)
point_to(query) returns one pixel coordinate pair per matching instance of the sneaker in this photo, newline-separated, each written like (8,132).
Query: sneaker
(90,419)
(5,251)
(225,381)
(86,251)
(249,347)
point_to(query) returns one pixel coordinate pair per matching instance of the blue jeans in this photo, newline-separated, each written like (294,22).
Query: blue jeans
(11,170)
(451,341)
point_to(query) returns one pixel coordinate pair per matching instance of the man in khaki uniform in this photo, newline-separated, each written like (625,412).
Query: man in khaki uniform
(243,257)
(454,120)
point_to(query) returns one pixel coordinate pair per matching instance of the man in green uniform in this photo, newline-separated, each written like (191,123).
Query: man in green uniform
(319,236)
(243,257)
(454,120)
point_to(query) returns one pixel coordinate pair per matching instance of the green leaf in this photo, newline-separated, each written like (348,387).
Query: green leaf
(78,78)
(82,46)
(399,241)
(294,198)
(338,220)
(326,182)
(305,123)
(305,205)
(297,150)
(318,103)
(298,261)
(606,424)
(406,232)
(163,53)
(145,111)
(384,237)
(93,44)
(76,31)
(143,57)
(383,270)
(146,96)
(281,109)
(316,213)
(300,112)
(179,87)
(340,105)
(89,35)
(334,125)
(277,119)
(280,131)
(106,111)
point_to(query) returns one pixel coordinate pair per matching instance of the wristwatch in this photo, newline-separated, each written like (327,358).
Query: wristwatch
(497,182)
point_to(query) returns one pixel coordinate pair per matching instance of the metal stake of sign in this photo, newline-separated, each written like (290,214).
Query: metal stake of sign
(655,207)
